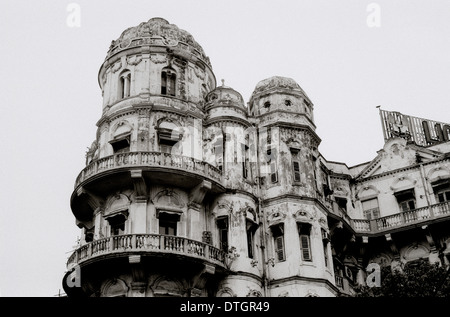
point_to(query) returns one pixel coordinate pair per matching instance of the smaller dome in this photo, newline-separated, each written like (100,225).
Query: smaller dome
(276,83)
(225,95)
(224,102)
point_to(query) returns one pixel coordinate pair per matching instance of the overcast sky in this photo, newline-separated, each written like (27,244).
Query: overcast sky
(349,56)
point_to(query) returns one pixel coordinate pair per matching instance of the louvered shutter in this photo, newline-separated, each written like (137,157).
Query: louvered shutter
(279,248)
(296,171)
(306,251)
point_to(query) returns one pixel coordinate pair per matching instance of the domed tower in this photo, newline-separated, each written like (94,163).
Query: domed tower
(143,201)
(291,189)
(230,145)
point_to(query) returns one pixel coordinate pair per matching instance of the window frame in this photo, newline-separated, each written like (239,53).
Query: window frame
(222,224)
(304,232)
(406,199)
(278,242)
(168,82)
(374,212)
(295,160)
(124,84)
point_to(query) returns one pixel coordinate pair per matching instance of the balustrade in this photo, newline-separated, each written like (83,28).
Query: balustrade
(147,242)
(131,159)
(397,220)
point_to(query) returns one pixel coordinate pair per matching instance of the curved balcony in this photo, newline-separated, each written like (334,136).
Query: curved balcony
(147,245)
(138,170)
(149,160)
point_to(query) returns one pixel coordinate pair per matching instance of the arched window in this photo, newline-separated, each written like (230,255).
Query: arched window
(168,80)
(124,84)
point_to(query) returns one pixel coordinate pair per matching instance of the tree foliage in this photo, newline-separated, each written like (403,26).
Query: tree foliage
(417,279)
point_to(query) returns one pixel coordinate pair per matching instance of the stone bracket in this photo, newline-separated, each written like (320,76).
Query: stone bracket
(198,193)
(430,239)
(94,201)
(139,185)
(200,279)
(393,246)
(136,269)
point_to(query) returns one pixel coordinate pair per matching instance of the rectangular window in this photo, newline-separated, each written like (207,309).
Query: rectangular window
(167,139)
(117,224)
(273,172)
(442,192)
(370,208)
(341,202)
(251,228)
(245,161)
(167,227)
(325,253)
(295,164)
(271,161)
(168,83)
(269,135)
(406,199)
(218,153)
(316,184)
(168,223)
(278,239)
(121,144)
(250,244)
(296,169)
(325,241)
(222,225)
(304,230)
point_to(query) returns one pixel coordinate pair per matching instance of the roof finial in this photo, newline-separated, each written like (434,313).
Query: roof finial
(223,82)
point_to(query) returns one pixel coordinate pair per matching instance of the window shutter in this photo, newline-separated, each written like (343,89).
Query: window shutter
(274,173)
(279,248)
(296,171)
(306,251)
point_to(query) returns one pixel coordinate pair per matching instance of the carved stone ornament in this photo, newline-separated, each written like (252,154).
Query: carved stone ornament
(303,215)
(223,208)
(276,216)
(134,60)
(114,287)
(254,293)
(158,59)
(226,292)
(116,67)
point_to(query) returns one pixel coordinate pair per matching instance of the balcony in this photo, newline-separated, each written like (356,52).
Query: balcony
(154,160)
(418,216)
(136,170)
(147,245)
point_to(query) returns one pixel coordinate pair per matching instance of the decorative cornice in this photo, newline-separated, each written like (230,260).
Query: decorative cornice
(399,170)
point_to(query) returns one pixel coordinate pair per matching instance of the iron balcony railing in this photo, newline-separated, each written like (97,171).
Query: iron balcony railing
(398,220)
(142,243)
(150,159)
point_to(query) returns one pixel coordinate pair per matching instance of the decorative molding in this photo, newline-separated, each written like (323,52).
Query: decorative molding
(134,60)
(158,58)
(117,66)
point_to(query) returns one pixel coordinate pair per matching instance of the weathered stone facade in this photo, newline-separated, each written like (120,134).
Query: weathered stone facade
(188,191)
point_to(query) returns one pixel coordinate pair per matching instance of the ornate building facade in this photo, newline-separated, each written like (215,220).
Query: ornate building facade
(189,191)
